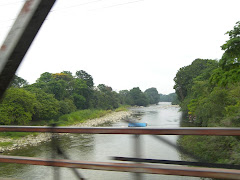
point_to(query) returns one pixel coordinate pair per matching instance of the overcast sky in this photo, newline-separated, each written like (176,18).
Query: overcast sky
(125,43)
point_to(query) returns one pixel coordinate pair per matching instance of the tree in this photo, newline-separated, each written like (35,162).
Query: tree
(66,106)
(138,97)
(86,77)
(81,92)
(224,77)
(212,108)
(231,56)
(79,101)
(229,70)
(65,75)
(64,86)
(213,100)
(45,78)
(123,96)
(58,88)
(172,97)
(68,73)
(99,100)
(46,107)
(152,95)
(18,82)
(105,97)
(17,107)
(80,87)
(184,80)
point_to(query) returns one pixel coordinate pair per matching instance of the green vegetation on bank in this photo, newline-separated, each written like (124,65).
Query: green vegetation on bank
(209,91)
(4,144)
(81,116)
(214,149)
(64,97)
(16,135)
(122,108)
(66,120)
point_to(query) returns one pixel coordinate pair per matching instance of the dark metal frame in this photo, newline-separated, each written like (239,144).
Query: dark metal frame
(20,37)
(139,165)
(137,130)
(12,52)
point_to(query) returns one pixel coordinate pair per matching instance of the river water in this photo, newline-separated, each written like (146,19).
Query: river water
(103,147)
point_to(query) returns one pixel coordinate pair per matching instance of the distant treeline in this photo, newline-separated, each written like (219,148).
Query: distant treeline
(57,94)
(172,97)
(209,91)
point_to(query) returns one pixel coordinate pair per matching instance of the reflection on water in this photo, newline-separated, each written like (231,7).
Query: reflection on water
(103,147)
(82,143)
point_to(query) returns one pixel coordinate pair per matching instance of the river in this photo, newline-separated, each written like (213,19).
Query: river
(102,147)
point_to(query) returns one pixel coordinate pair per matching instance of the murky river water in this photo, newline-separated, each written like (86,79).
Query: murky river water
(102,147)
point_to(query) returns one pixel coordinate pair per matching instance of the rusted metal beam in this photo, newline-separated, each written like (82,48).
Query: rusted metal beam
(20,37)
(127,167)
(111,130)
(185,163)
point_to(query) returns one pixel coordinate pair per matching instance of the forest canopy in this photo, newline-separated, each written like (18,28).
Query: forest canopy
(56,94)
(209,93)
(208,89)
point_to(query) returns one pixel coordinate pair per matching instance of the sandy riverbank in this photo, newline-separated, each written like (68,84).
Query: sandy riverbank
(34,140)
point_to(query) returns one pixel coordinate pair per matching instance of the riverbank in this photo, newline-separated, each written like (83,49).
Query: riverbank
(8,144)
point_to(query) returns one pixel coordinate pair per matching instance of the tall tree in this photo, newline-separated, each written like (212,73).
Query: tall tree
(46,107)
(123,96)
(81,93)
(18,82)
(86,77)
(138,97)
(17,107)
(152,95)
(172,97)
(106,98)
(184,79)
(231,56)
(229,70)
(45,78)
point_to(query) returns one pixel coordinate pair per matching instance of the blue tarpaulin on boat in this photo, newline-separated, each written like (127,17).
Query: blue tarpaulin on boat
(137,124)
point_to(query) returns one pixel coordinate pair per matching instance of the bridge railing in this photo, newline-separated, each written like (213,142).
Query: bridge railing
(138,165)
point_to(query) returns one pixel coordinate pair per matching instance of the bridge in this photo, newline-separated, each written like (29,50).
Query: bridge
(12,52)
(138,165)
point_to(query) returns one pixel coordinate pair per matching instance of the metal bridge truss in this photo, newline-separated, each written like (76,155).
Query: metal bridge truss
(138,165)
(13,50)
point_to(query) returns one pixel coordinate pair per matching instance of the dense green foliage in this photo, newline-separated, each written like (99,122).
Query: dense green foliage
(137,97)
(60,97)
(18,82)
(17,107)
(172,97)
(199,70)
(231,56)
(209,91)
(152,95)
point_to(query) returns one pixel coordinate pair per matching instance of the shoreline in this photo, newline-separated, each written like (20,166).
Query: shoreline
(34,140)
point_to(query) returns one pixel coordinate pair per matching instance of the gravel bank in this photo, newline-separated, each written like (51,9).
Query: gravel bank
(34,140)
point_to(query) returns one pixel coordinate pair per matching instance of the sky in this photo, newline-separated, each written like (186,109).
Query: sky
(125,43)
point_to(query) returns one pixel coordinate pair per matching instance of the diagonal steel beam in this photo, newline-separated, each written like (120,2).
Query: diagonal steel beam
(20,37)
(185,163)
(127,167)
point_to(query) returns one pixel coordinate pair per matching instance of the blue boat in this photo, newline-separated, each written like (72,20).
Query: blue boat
(137,124)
